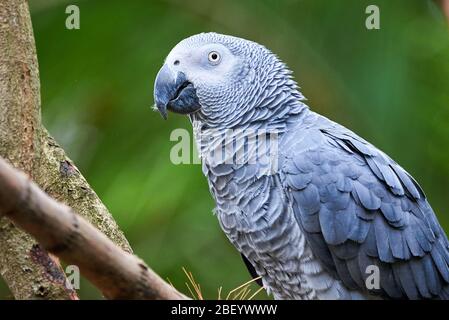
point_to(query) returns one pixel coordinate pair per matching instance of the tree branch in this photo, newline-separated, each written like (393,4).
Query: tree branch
(28,275)
(445,8)
(61,179)
(117,273)
(29,272)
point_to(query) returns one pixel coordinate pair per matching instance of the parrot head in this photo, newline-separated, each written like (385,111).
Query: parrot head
(218,78)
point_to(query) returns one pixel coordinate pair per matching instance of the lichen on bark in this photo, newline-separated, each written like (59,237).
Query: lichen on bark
(61,179)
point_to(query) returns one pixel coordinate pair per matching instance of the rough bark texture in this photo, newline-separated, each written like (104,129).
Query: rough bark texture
(59,177)
(30,273)
(117,273)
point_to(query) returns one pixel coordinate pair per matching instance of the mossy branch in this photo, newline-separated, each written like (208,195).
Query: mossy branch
(30,272)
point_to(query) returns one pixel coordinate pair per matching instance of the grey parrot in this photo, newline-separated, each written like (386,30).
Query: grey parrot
(329,212)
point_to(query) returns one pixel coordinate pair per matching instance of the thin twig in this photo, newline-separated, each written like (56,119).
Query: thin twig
(445,8)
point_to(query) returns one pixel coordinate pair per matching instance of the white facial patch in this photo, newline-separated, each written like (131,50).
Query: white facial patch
(209,64)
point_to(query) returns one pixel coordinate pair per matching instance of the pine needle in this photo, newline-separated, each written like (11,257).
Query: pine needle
(246,293)
(191,292)
(195,285)
(256,293)
(242,286)
(242,292)
(169,282)
(238,294)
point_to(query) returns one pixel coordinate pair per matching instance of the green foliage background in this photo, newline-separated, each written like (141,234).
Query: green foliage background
(389,85)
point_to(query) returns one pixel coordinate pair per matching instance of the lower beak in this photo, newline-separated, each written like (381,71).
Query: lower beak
(172,91)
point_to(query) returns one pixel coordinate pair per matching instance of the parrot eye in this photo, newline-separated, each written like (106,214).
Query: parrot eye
(214,57)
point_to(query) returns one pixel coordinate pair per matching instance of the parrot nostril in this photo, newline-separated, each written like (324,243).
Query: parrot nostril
(176,62)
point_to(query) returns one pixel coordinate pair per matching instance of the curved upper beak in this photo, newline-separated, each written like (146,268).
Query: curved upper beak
(172,91)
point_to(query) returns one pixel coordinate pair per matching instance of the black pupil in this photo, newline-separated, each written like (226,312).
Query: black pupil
(214,56)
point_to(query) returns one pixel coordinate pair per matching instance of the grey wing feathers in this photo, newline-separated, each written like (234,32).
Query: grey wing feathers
(357,208)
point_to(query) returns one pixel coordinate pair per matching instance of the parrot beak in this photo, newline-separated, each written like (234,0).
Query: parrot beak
(172,91)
